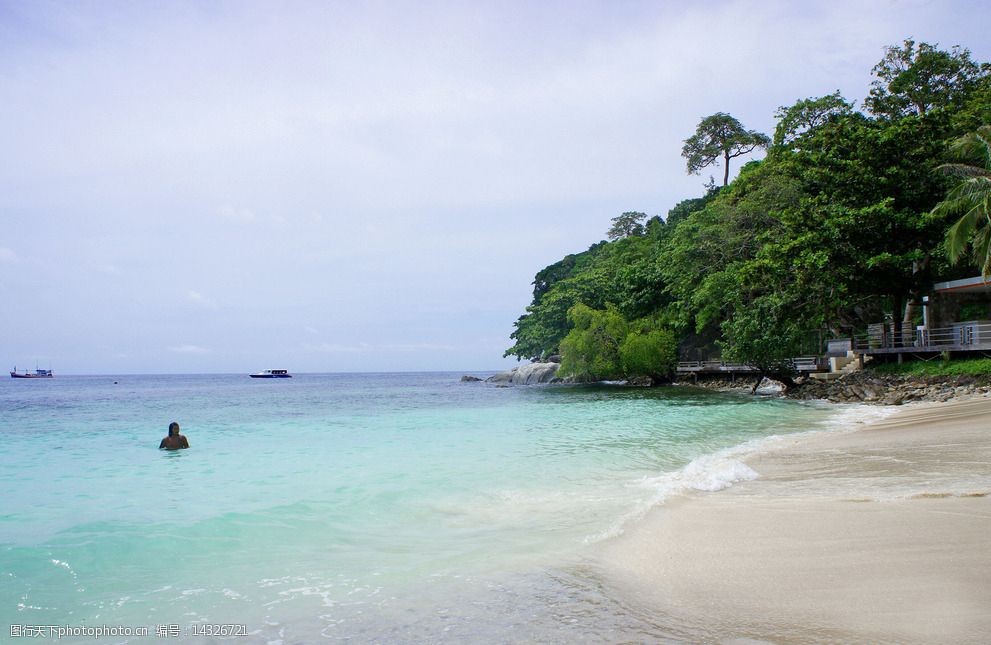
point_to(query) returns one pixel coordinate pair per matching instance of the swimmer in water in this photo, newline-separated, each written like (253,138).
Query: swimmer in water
(174,441)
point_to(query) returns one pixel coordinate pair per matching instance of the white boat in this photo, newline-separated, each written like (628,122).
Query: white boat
(271,374)
(36,374)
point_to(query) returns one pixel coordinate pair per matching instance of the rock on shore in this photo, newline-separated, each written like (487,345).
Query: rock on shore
(528,374)
(870,387)
(884,389)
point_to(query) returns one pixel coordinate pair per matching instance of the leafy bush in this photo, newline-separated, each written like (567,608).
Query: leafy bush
(590,351)
(653,353)
(603,345)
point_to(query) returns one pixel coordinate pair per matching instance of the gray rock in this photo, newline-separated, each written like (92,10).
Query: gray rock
(528,374)
(470,379)
(502,377)
(640,381)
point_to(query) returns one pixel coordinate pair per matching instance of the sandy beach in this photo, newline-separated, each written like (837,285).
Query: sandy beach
(877,535)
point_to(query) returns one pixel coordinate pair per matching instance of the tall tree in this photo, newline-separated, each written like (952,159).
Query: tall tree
(806,115)
(913,79)
(627,224)
(970,199)
(720,136)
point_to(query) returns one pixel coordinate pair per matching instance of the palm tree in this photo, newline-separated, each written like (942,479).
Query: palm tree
(970,199)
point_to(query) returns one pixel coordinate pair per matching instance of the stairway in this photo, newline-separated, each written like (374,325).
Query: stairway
(840,366)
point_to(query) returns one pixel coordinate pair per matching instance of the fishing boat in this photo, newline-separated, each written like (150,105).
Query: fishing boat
(271,374)
(36,374)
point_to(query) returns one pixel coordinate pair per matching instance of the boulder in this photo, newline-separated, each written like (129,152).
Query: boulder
(640,381)
(528,374)
(502,377)
(470,379)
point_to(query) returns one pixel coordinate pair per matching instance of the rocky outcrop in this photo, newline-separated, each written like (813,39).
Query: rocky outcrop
(867,387)
(528,374)
(881,389)
(470,379)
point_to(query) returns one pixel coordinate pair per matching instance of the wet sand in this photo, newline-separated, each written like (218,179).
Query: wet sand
(878,535)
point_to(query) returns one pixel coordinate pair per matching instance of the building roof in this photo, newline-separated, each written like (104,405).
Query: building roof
(978,284)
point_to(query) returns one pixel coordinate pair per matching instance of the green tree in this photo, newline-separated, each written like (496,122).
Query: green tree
(649,351)
(627,224)
(913,79)
(590,351)
(540,330)
(702,254)
(591,278)
(807,115)
(976,109)
(764,335)
(569,266)
(837,225)
(868,185)
(686,207)
(970,200)
(720,136)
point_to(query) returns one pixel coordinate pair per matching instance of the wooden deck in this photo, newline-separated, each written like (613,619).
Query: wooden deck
(972,336)
(969,336)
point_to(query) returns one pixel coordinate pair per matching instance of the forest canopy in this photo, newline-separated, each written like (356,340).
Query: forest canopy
(844,221)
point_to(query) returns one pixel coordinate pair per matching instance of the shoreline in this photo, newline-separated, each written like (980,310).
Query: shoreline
(877,534)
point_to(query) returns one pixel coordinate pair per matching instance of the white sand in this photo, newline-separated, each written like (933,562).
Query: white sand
(879,535)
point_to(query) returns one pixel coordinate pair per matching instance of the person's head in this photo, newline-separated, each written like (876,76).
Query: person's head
(173,429)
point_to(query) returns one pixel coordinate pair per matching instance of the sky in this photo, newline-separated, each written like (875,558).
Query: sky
(348,186)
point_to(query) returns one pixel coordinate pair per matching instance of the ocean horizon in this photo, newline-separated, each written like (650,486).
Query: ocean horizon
(403,506)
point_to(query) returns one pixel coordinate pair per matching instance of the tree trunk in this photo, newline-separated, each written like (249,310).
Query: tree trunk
(726,168)
(915,295)
(760,379)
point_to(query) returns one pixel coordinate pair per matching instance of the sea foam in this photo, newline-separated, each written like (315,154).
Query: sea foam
(719,470)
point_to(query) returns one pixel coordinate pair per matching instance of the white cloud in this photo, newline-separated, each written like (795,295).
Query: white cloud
(336,348)
(388,172)
(368,348)
(234,214)
(189,349)
(201,300)
(7,256)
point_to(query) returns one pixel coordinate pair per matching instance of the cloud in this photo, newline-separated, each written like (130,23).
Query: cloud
(233,214)
(336,348)
(7,256)
(189,349)
(201,300)
(363,348)
(388,172)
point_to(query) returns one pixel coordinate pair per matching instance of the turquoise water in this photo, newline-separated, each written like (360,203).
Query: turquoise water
(370,507)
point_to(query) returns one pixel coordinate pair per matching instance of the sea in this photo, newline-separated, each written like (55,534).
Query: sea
(381,508)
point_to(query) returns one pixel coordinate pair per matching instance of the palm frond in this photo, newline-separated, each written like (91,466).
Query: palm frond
(963,170)
(969,200)
(974,147)
(959,235)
